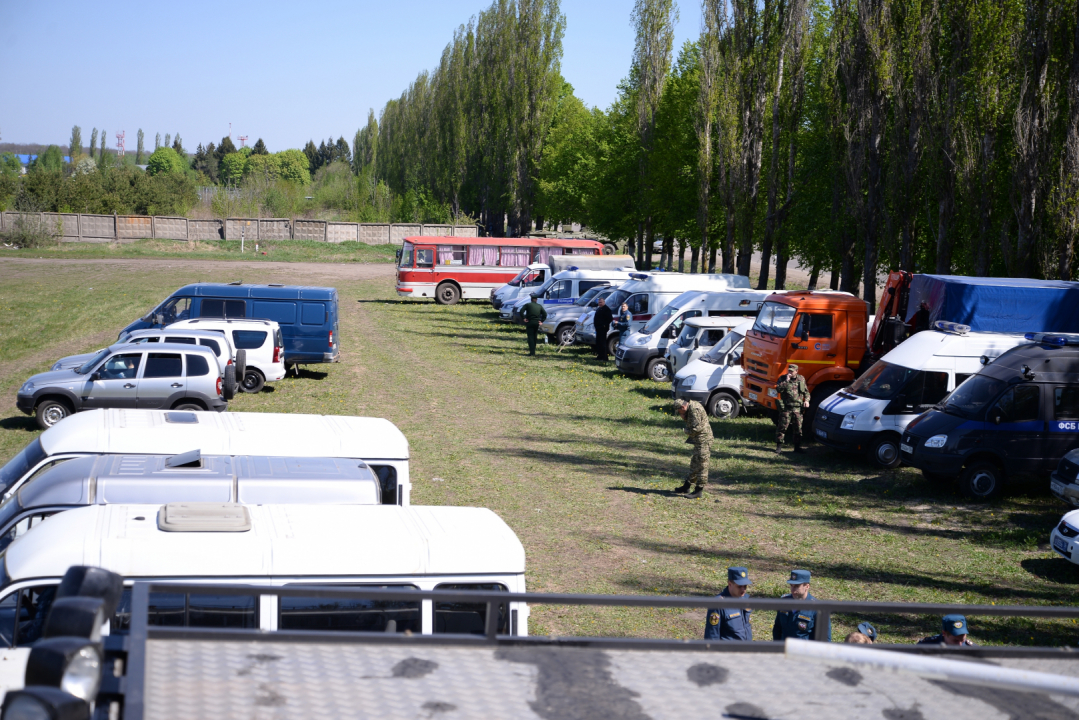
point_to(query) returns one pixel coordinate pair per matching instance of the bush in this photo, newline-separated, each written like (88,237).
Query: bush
(165,160)
(293,166)
(231,168)
(31,231)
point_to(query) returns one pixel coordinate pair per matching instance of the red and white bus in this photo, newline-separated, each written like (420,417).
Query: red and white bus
(450,268)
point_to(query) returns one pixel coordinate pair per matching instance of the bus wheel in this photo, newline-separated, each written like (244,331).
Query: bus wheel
(447,294)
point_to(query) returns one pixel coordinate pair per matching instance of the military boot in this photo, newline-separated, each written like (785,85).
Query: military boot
(696,494)
(684,487)
(779,447)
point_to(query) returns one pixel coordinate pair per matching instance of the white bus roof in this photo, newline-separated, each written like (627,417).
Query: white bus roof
(164,432)
(681,282)
(594,274)
(284,541)
(916,350)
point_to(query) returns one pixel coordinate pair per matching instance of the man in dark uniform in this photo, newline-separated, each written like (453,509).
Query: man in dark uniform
(953,632)
(602,320)
(533,314)
(731,623)
(798,623)
(792,398)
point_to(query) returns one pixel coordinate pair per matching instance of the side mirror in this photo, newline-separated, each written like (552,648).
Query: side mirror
(159,319)
(805,336)
(696,343)
(95,377)
(397,255)
(733,359)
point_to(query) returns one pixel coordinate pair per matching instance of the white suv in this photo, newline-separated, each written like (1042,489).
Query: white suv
(260,339)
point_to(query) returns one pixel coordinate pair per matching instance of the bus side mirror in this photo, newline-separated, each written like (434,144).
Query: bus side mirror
(397,254)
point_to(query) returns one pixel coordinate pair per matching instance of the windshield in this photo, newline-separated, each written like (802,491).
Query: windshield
(615,299)
(970,398)
(724,346)
(687,336)
(602,295)
(883,381)
(19,465)
(406,255)
(659,320)
(587,297)
(89,364)
(774,319)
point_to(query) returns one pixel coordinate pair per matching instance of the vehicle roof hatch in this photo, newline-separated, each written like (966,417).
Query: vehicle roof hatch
(189,459)
(203,517)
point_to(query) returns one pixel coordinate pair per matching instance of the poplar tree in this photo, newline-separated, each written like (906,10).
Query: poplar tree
(139,148)
(75,144)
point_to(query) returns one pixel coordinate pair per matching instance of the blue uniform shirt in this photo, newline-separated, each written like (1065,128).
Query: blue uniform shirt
(797,623)
(728,623)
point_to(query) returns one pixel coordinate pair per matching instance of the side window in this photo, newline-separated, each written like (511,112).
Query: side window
(638,304)
(163,365)
(196,366)
(195,610)
(212,344)
(354,615)
(676,327)
(248,339)
(9,607)
(468,618)
(451,254)
(927,389)
(223,308)
(560,290)
(176,310)
(425,257)
(818,326)
(33,608)
(1066,403)
(313,314)
(711,337)
(184,340)
(509,256)
(121,367)
(1020,404)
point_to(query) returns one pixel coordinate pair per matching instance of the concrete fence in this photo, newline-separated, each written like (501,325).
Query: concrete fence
(73,227)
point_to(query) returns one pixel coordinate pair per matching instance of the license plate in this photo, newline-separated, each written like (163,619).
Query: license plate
(752,396)
(1056,487)
(1060,544)
(821,433)
(906,448)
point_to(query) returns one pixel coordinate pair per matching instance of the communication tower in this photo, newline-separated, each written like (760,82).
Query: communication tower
(120,143)
(243,140)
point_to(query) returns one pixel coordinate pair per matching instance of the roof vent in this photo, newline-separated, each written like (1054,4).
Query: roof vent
(203,517)
(189,459)
(181,418)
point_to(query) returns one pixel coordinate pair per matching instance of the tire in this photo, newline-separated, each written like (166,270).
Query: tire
(241,363)
(50,412)
(447,294)
(884,451)
(724,406)
(188,406)
(657,370)
(253,381)
(564,334)
(612,345)
(228,384)
(982,480)
(609,249)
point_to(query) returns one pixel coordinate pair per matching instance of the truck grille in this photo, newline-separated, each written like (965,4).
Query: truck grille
(757,365)
(756,388)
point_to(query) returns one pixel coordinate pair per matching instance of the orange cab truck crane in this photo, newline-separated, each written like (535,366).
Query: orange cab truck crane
(825,334)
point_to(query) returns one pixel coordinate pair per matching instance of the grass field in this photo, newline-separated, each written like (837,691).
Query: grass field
(272,250)
(581,461)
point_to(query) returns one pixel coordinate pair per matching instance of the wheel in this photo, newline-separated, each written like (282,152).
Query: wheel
(564,335)
(241,363)
(884,451)
(724,406)
(188,406)
(981,480)
(253,381)
(228,384)
(657,370)
(447,294)
(50,412)
(612,345)
(609,249)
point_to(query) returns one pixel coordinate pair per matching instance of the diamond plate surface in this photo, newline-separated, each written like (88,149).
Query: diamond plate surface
(192,680)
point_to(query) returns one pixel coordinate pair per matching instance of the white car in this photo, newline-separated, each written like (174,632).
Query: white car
(715,378)
(1065,537)
(260,339)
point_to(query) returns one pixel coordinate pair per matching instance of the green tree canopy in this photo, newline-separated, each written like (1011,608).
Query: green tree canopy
(292,165)
(231,168)
(165,160)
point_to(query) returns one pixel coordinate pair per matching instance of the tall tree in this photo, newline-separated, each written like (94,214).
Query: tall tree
(168,139)
(365,146)
(259,148)
(101,149)
(93,142)
(157,141)
(140,148)
(1067,195)
(713,25)
(75,144)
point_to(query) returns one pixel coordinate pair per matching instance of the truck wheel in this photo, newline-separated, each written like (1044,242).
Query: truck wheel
(253,381)
(657,370)
(564,334)
(884,452)
(609,249)
(447,294)
(228,384)
(724,406)
(981,480)
(241,363)
(50,412)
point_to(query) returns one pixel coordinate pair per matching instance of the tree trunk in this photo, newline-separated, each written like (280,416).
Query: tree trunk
(649,241)
(681,256)
(773,171)
(833,282)
(712,259)
(640,245)
(814,276)
(694,251)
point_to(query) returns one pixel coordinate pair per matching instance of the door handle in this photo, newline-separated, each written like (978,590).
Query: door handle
(177,384)
(831,354)
(129,385)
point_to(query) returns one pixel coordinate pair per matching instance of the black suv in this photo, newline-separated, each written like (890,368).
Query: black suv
(1018,415)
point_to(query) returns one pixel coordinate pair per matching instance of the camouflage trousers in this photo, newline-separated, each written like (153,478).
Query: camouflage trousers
(699,462)
(786,418)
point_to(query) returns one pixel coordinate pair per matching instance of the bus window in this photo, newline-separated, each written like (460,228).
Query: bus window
(451,254)
(482,255)
(513,256)
(406,255)
(425,257)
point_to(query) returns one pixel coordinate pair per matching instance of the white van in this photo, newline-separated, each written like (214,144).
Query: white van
(426,548)
(642,352)
(698,336)
(526,281)
(870,415)
(715,378)
(260,339)
(564,288)
(376,441)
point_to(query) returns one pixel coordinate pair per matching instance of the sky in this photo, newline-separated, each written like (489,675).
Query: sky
(283,71)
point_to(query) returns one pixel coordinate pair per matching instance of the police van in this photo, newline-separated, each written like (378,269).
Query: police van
(563,289)
(643,350)
(715,378)
(870,416)
(376,441)
(1018,415)
(423,548)
(698,336)
(530,278)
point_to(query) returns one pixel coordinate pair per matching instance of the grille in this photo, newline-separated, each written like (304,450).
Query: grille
(756,388)
(1067,530)
(1067,469)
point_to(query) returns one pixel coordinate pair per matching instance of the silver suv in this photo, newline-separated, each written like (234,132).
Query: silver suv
(160,376)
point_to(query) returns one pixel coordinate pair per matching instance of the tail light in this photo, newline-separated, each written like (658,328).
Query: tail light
(276,354)
(219,386)
(230,361)
(331,339)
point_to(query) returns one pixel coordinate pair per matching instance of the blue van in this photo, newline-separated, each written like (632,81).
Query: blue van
(307,315)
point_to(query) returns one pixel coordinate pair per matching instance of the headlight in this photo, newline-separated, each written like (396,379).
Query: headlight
(56,365)
(27,387)
(772,392)
(937,441)
(642,340)
(849,419)
(689,380)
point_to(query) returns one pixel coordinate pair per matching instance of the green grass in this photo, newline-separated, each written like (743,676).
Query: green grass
(581,461)
(276,250)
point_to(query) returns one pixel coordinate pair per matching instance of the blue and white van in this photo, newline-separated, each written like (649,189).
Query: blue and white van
(307,315)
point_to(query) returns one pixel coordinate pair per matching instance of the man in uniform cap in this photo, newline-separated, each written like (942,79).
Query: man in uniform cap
(731,623)
(700,437)
(798,623)
(953,632)
(533,314)
(792,396)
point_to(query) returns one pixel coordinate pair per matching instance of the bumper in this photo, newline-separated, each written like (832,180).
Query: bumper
(633,361)
(852,441)
(331,357)
(25,403)
(1066,548)
(218,405)
(277,372)
(1066,490)
(931,461)
(496,302)
(699,395)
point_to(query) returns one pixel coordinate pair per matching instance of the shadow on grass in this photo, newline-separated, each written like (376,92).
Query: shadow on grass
(19,422)
(302,372)
(402,301)
(1053,569)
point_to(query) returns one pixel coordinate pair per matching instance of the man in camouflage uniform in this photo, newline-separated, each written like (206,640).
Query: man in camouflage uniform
(700,436)
(793,397)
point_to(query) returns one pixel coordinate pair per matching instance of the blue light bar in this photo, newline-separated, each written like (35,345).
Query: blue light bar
(639,276)
(1057,339)
(573,267)
(950,327)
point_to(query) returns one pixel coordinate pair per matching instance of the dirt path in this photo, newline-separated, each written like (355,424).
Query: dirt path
(20,267)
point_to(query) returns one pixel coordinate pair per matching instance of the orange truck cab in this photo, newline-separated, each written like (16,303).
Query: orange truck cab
(822,332)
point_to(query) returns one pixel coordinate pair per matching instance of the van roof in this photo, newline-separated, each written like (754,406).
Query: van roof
(594,274)
(744,297)
(196,323)
(267,292)
(915,351)
(284,540)
(714,322)
(682,282)
(162,347)
(169,432)
(1049,363)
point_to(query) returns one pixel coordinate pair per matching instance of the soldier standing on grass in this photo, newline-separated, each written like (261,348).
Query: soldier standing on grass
(533,314)
(700,436)
(793,396)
